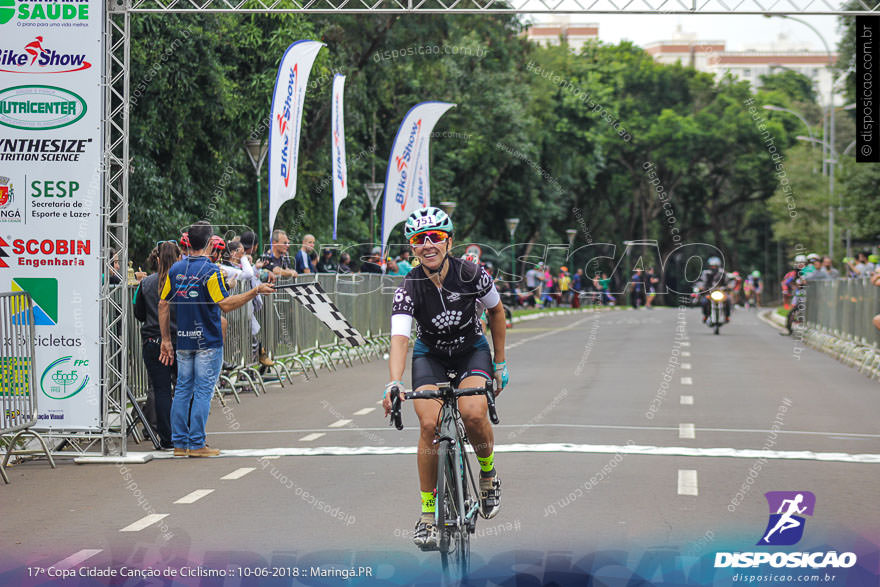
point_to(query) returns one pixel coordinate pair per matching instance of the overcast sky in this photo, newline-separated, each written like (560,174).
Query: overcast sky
(737,30)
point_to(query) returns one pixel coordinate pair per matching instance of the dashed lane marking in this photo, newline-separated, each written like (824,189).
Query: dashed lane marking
(686,431)
(339,423)
(685,343)
(144,522)
(686,366)
(238,473)
(364,411)
(685,353)
(687,400)
(77,558)
(310,437)
(687,381)
(687,482)
(195,496)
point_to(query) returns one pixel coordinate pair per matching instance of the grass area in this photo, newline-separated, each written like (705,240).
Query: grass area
(782,311)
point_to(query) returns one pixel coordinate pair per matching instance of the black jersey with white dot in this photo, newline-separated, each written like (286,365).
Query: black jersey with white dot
(446,317)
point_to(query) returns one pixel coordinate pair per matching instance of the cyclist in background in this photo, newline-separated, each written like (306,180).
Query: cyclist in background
(439,295)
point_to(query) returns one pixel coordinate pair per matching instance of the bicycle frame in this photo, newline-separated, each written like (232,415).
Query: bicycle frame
(456,513)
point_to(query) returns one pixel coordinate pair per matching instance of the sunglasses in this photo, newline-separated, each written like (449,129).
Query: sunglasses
(433,236)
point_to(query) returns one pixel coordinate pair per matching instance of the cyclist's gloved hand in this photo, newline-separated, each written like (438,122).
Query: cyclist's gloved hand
(386,397)
(502,375)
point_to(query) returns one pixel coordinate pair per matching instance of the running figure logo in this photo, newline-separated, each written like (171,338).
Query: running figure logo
(786,525)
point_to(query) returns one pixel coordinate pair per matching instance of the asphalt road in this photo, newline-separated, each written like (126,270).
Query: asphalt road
(622,434)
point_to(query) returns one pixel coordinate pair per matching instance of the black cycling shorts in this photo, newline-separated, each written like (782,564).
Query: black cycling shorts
(432,368)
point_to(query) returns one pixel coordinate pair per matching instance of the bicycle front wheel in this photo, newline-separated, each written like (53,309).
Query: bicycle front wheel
(453,536)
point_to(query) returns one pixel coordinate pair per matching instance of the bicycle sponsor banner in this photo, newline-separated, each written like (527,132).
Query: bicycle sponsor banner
(51,186)
(340,171)
(407,177)
(287,108)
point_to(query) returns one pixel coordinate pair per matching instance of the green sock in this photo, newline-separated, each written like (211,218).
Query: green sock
(487,463)
(428,502)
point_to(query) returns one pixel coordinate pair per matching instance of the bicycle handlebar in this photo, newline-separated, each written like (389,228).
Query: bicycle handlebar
(445,392)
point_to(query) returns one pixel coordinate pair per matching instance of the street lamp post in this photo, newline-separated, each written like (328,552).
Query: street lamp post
(448,207)
(374,192)
(256,152)
(512,223)
(829,136)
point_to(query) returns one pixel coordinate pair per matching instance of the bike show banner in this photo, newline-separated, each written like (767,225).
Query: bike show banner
(340,171)
(407,178)
(287,109)
(51,185)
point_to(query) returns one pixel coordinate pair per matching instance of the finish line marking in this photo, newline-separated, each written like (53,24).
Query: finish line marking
(632,449)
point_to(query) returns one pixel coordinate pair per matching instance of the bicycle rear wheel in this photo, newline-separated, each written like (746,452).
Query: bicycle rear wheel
(454,540)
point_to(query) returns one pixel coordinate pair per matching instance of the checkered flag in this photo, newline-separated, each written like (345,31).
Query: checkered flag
(315,300)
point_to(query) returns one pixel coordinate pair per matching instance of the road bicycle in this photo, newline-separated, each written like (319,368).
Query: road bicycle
(458,497)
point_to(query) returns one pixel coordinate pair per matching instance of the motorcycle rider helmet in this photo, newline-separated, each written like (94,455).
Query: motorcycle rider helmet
(426,219)
(714,262)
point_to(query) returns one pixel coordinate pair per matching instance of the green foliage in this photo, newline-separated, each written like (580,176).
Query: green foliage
(558,139)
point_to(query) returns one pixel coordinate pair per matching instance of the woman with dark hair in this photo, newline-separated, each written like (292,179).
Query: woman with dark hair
(146,309)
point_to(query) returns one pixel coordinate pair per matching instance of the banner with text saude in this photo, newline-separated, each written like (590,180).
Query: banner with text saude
(51,185)
(407,177)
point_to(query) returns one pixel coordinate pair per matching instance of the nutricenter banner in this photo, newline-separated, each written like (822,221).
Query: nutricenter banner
(51,186)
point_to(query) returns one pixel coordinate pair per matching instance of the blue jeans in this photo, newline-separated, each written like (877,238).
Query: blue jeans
(197,373)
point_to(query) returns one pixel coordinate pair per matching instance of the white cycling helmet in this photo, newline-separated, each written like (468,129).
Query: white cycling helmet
(714,262)
(799,259)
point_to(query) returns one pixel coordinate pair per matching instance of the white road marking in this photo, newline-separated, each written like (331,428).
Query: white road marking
(685,343)
(633,449)
(195,496)
(312,436)
(686,366)
(339,423)
(849,435)
(269,458)
(687,400)
(687,482)
(238,473)
(686,431)
(144,522)
(364,411)
(77,558)
(537,336)
(687,381)
(685,353)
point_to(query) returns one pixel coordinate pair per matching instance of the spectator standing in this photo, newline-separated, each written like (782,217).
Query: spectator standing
(637,293)
(326,264)
(651,281)
(303,261)
(403,262)
(251,274)
(276,258)
(345,263)
(564,281)
(393,268)
(371,265)
(198,290)
(577,286)
(146,310)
